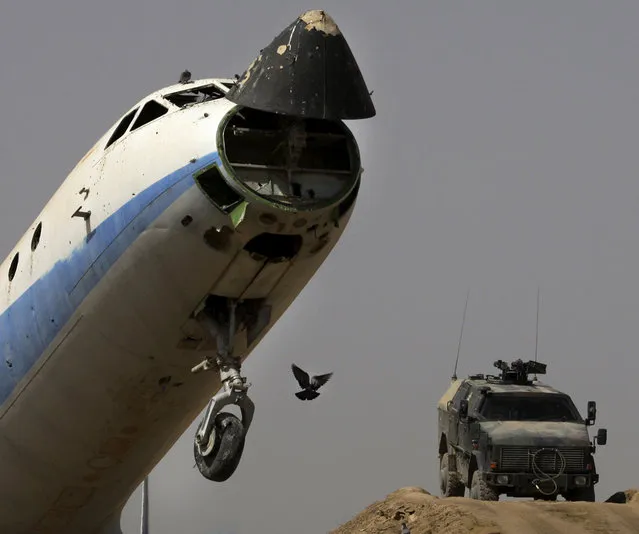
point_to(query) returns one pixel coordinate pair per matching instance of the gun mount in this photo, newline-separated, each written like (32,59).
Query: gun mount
(517,372)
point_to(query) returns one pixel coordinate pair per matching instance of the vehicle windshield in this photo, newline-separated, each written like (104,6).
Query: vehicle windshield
(530,408)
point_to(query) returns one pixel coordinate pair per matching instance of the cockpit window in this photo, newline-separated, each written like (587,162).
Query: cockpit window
(121,128)
(195,95)
(151,111)
(537,408)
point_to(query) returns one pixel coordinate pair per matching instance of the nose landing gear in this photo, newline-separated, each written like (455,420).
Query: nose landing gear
(219,440)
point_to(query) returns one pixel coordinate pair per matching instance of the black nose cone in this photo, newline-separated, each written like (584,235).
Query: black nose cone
(308,70)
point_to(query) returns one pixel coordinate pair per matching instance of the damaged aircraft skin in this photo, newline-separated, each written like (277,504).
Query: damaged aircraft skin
(172,247)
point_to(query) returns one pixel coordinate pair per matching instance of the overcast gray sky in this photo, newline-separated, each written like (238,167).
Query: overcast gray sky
(504,157)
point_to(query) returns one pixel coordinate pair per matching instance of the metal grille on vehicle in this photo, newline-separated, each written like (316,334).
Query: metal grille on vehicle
(519,459)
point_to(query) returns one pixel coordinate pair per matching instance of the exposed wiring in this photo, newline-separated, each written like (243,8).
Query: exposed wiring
(541,475)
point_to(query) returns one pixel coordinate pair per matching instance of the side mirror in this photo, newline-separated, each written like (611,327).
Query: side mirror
(592,413)
(602,436)
(463,408)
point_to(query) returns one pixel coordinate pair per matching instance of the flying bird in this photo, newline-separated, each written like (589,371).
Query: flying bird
(309,385)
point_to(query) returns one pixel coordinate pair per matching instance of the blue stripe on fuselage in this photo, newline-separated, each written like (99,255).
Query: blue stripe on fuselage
(31,323)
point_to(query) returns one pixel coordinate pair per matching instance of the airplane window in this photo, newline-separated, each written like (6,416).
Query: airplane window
(195,95)
(119,131)
(151,111)
(14,266)
(35,240)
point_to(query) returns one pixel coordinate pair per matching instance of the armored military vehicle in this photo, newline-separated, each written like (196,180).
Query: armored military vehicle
(509,435)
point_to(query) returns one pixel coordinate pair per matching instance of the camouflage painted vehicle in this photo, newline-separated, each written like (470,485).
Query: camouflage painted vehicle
(508,435)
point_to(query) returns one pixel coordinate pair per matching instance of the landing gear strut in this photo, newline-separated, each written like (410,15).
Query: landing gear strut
(219,440)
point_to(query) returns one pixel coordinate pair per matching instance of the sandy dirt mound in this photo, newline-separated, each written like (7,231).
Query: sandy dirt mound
(427,514)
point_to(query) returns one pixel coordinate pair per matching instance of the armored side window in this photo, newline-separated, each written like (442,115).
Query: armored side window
(475,400)
(462,393)
(122,127)
(151,111)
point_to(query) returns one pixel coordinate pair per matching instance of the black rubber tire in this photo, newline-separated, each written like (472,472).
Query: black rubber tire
(551,498)
(450,484)
(480,491)
(227,451)
(581,494)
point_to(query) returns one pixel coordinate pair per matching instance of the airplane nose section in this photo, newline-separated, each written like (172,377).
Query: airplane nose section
(307,71)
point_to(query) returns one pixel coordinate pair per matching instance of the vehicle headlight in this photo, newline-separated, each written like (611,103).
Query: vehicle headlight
(502,479)
(580,481)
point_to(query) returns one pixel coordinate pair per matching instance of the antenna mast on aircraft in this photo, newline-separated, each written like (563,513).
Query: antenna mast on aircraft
(461,333)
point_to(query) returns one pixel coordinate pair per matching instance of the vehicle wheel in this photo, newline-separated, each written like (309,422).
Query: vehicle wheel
(581,494)
(545,497)
(223,460)
(480,491)
(450,484)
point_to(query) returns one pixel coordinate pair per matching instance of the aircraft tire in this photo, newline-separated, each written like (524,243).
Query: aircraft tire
(223,460)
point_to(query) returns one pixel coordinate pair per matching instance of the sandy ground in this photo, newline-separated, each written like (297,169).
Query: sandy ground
(427,514)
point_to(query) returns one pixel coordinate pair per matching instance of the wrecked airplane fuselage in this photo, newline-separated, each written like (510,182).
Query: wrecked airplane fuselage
(172,247)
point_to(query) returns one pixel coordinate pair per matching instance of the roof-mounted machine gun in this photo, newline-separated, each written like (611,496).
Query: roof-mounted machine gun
(518,370)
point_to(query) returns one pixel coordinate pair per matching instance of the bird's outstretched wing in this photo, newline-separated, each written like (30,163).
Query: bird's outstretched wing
(301,376)
(320,380)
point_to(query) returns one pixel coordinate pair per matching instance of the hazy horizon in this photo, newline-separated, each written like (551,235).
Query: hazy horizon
(502,159)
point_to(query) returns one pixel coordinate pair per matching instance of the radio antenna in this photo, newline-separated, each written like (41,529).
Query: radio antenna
(537,331)
(461,333)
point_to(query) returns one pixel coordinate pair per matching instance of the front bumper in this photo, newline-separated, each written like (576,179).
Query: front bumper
(525,484)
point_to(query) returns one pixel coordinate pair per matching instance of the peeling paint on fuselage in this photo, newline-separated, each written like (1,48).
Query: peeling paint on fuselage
(320,21)
(92,327)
